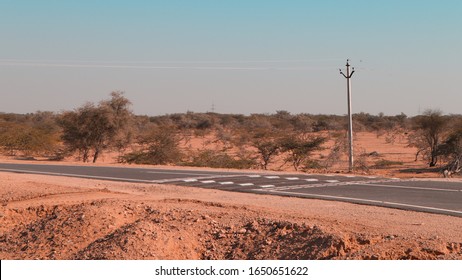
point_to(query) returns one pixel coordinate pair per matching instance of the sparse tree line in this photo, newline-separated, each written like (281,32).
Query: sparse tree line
(252,141)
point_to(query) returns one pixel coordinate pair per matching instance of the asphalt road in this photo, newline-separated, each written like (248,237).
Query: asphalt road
(439,197)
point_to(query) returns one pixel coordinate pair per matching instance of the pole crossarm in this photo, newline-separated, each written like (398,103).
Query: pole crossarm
(351,74)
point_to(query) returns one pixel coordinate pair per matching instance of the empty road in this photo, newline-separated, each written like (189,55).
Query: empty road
(441,197)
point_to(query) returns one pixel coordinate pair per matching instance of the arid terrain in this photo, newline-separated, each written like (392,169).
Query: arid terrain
(46,217)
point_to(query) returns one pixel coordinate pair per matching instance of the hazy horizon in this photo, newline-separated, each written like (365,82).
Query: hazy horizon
(238,57)
(422,112)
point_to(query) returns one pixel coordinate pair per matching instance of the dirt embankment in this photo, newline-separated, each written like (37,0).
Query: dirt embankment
(43,217)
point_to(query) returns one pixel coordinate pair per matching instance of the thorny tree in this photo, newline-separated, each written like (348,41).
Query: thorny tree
(451,150)
(430,130)
(91,129)
(267,145)
(299,148)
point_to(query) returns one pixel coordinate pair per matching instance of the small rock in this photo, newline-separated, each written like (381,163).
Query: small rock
(390,237)
(374,154)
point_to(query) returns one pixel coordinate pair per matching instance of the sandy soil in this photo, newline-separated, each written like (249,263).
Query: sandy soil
(45,217)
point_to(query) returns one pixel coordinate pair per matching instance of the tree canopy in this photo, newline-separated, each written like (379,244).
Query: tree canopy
(91,129)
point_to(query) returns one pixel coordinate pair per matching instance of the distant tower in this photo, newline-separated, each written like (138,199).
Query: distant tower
(213,107)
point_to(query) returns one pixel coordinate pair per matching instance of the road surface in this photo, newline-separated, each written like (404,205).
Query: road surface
(441,197)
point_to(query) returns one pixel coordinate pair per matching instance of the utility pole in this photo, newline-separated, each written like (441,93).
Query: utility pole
(350,117)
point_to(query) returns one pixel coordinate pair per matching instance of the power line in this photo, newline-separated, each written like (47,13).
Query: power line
(168,62)
(245,65)
(150,67)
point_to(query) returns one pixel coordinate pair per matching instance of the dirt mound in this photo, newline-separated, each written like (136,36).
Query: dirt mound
(263,239)
(184,229)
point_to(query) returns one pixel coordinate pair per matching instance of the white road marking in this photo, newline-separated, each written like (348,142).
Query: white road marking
(189,180)
(413,188)
(267,186)
(208,181)
(226,183)
(367,200)
(254,176)
(311,180)
(292,178)
(332,183)
(195,179)
(246,184)
(271,177)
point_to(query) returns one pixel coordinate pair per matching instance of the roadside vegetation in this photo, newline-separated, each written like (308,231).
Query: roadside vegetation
(255,141)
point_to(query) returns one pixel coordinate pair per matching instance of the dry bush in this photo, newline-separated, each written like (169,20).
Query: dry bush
(95,128)
(158,146)
(22,139)
(219,159)
(298,148)
(429,132)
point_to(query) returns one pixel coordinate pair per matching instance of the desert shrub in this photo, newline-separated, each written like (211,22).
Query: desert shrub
(190,120)
(225,137)
(383,163)
(267,149)
(214,159)
(429,131)
(379,122)
(27,140)
(158,146)
(155,157)
(311,164)
(257,122)
(267,144)
(451,151)
(329,123)
(302,122)
(338,149)
(231,121)
(299,148)
(361,163)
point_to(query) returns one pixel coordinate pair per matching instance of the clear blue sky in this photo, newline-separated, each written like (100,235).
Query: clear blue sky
(242,56)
